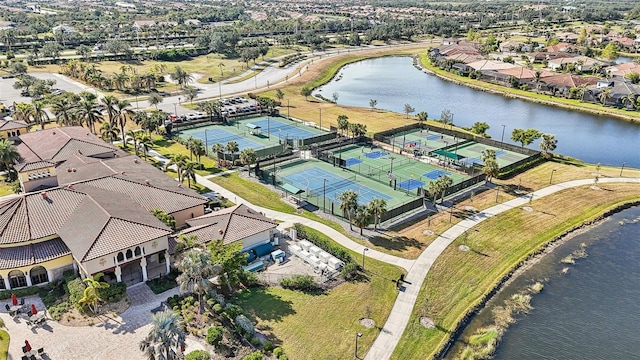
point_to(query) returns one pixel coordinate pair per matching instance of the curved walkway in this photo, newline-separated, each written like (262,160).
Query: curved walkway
(290,219)
(389,337)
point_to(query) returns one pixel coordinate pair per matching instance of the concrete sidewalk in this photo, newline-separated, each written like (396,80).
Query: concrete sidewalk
(389,337)
(289,219)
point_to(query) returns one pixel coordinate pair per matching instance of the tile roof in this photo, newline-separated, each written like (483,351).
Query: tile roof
(35,165)
(58,144)
(570,80)
(12,124)
(149,196)
(31,254)
(491,65)
(237,223)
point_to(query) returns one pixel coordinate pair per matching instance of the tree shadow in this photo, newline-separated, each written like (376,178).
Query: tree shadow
(398,243)
(264,305)
(516,190)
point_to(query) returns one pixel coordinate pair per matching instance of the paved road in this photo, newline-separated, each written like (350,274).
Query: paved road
(389,337)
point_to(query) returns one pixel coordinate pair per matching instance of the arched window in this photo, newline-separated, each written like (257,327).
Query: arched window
(120,257)
(2,284)
(137,251)
(17,279)
(38,275)
(129,254)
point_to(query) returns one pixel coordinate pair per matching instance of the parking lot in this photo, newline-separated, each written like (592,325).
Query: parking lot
(9,95)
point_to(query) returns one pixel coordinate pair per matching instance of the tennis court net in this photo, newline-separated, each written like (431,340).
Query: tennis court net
(332,186)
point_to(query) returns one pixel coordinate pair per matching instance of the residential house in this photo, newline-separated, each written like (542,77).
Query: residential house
(10,129)
(561,84)
(563,47)
(581,63)
(514,46)
(540,57)
(568,37)
(622,70)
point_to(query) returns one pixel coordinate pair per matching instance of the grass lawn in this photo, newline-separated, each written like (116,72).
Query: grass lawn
(169,148)
(458,280)
(4,344)
(324,326)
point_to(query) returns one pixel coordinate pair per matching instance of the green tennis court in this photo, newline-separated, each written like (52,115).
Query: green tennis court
(472,153)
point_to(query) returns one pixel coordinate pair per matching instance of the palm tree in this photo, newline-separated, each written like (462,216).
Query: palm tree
(165,339)
(373,103)
(9,155)
(155,99)
(377,208)
(120,80)
(89,112)
(408,109)
(490,169)
(232,148)
(191,93)
(109,102)
(22,111)
(133,136)
(179,160)
(548,144)
(248,157)
(122,112)
(218,148)
(434,189)
(445,182)
(361,216)
(343,123)
(145,142)
(189,172)
(109,132)
(196,269)
(91,295)
(279,95)
(604,95)
(38,113)
(488,154)
(629,100)
(63,108)
(210,107)
(348,202)
(423,116)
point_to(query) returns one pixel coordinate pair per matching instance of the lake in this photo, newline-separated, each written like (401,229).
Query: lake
(394,82)
(592,311)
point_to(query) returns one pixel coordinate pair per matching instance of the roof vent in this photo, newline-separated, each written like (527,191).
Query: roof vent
(54,133)
(136,161)
(122,173)
(220,231)
(44,196)
(70,186)
(74,169)
(69,170)
(180,186)
(147,182)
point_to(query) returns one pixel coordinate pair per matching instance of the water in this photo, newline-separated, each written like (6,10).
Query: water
(591,312)
(623,60)
(394,82)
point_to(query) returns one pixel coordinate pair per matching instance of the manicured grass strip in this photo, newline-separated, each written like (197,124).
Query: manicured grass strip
(324,326)
(459,280)
(169,148)
(4,344)
(253,192)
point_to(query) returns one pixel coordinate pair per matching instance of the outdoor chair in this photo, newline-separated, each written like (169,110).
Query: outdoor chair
(6,306)
(32,357)
(22,301)
(41,351)
(24,349)
(25,357)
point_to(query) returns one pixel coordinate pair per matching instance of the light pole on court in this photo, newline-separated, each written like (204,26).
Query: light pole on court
(363,252)
(358,335)
(551,177)
(502,137)
(324,195)
(622,168)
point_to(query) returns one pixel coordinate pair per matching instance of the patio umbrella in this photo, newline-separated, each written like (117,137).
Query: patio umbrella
(27,346)
(14,299)
(33,309)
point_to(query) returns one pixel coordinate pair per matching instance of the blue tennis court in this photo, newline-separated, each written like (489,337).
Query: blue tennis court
(312,180)
(282,129)
(351,162)
(410,184)
(223,137)
(500,153)
(375,154)
(433,137)
(436,174)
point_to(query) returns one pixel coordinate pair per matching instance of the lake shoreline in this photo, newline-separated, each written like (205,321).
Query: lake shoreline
(427,69)
(518,269)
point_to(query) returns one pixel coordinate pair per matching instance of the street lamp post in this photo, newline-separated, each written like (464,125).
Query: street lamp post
(320,118)
(324,195)
(497,193)
(288,107)
(502,137)
(622,168)
(391,158)
(363,252)
(358,335)
(220,65)
(551,177)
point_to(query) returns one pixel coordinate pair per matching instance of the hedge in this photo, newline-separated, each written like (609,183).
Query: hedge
(324,244)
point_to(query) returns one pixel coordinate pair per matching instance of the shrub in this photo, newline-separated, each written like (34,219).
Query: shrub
(220,299)
(114,293)
(255,341)
(233,311)
(299,282)
(163,283)
(277,352)
(249,279)
(323,242)
(245,324)
(217,308)
(267,346)
(56,311)
(28,291)
(198,355)
(214,335)
(349,271)
(256,355)
(283,357)
(76,291)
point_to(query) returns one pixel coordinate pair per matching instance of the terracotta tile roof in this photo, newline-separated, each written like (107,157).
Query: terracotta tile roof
(524,73)
(570,80)
(624,69)
(32,254)
(28,166)
(237,223)
(12,124)
(101,226)
(58,144)
(149,196)
(491,65)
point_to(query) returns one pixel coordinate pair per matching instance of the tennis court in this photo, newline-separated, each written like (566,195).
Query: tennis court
(407,173)
(473,154)
(282,128)
(221,136)
(422,140)
(312,180)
